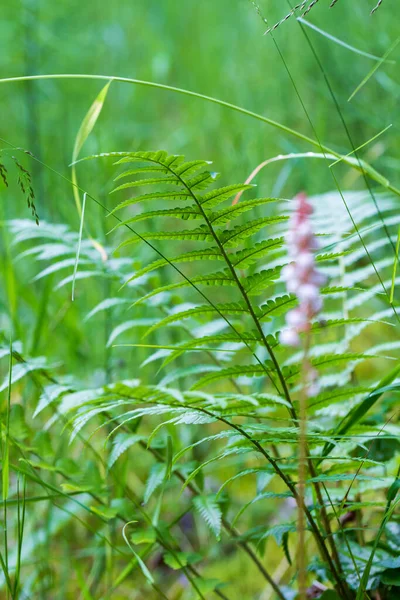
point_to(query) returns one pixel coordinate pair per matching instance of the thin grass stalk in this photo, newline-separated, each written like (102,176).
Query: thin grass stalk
(302,469)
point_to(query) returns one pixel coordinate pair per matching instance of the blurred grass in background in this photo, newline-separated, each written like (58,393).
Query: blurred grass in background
(215,47)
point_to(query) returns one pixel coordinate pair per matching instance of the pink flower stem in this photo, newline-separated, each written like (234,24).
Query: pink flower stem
(302,470)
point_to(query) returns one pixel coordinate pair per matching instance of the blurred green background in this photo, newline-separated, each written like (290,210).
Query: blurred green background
(215,47)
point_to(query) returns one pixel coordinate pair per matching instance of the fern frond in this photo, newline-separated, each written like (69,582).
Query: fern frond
(248,256)
(236,371)
(259,282)
(221,217)
(152,196)
(210,511)
(197,234)
(216,197)
(276,307)
(140,170)
(186,213)
(194,255)
(143,182)
(222,278)
(122,443)
(219,339)
(202,310)
(240,233)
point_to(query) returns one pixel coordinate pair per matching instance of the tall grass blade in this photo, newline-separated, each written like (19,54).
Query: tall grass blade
(332,38)
(375,68)
(78,250)
(394,270)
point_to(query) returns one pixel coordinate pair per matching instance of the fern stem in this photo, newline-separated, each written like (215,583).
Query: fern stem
(241,290)
(301,555)
(292,488)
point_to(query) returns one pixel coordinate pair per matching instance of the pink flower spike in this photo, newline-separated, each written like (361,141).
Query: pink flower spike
(305,260)
(308,291)
(300,275)
(296,318)
(290,337)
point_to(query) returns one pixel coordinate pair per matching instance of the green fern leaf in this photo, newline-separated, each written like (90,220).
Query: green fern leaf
(178,195)
(202,181)
(221,338)
(233,212)
(199,234)
(212,279)
(125,326)
(50,394)
(248,256)
(190,167)
(159,156)
(258,498)
(276,307)
(185,213)
(140,170)
(194,255)
(142,182)
(156,478)
(202,310)
(257,283)
(328,361)
(240,233)
(210,511)
(236,371)
(218,196)
(105,305)
(122,443)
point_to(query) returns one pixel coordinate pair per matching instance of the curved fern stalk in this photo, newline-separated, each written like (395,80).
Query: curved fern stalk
(272,462)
